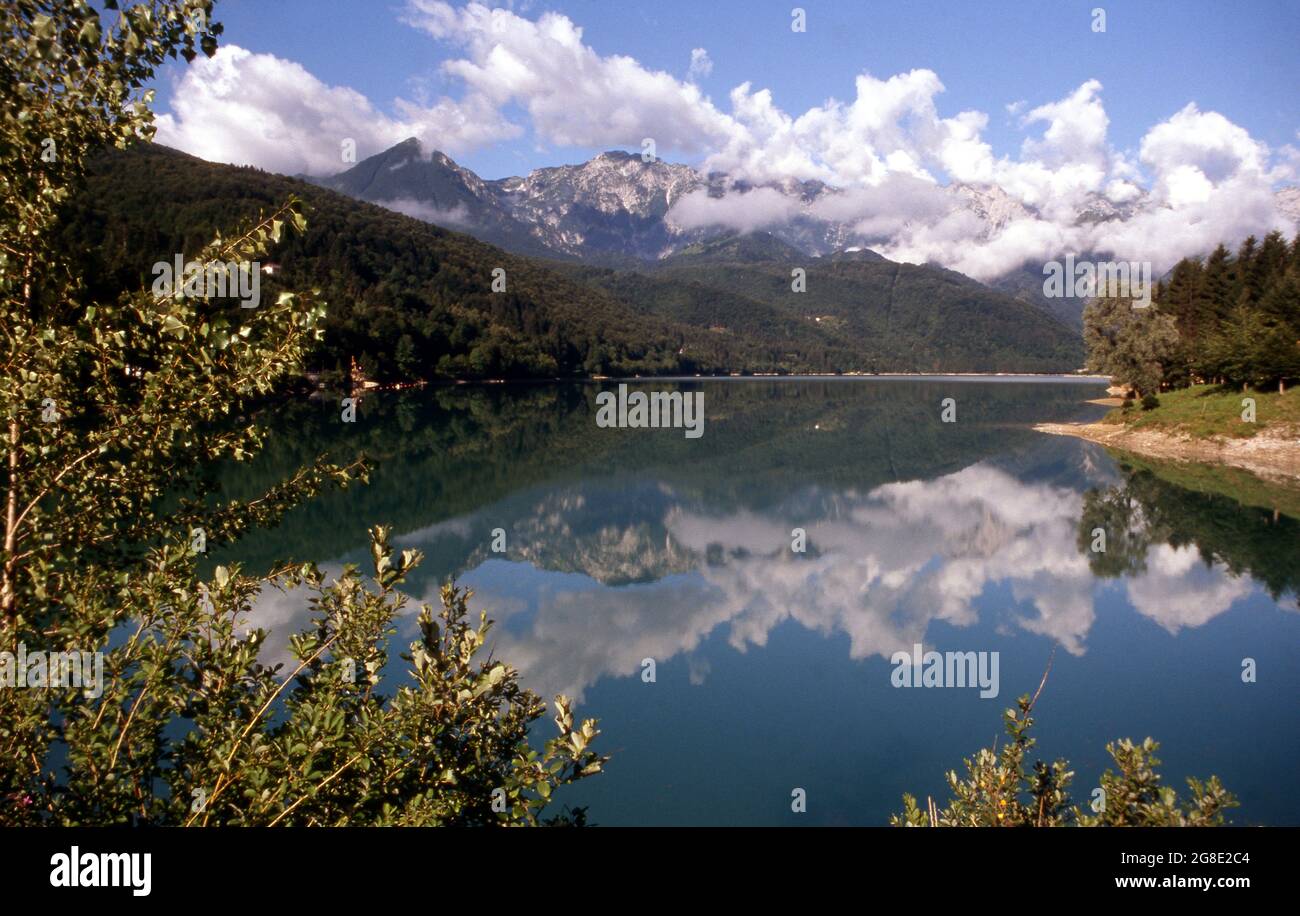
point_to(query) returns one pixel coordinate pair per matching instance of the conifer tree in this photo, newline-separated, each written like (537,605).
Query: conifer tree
(1218,293)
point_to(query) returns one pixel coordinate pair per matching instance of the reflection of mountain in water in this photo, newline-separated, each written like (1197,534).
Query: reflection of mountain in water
(446,453)
(631,546)
(614,535)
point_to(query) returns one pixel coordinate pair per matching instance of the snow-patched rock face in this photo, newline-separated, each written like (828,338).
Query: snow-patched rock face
(612,183)
(994,207)
(1098,208)
(617,204)
(476,185)
(1288,204)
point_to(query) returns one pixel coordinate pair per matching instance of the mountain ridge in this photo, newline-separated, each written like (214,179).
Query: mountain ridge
(409,299)
(619,209)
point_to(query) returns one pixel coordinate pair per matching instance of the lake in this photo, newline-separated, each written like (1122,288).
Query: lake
(608,554)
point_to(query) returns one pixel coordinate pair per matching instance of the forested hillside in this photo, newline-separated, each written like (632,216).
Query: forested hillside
(876,314)
(410,300)
(904,317)
(406,298)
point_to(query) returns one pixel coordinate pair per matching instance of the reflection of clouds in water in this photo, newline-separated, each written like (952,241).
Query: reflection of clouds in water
(910,553)
(580,636)
(892,561)
(281,612)
(742,531)
(458,527)
(1178,590)
(880,568)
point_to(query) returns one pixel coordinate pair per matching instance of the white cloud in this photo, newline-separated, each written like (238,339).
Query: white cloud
(886,209)
(1076,129)
(259,109)
(455,217)
(1200,149)
(743,212)
(701,64)
(573,96)
(1209,182)
(1178,590)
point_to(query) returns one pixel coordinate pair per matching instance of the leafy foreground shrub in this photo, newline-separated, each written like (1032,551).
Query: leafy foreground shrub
(1150,402)
(318,746)
(131,690)
(998,791)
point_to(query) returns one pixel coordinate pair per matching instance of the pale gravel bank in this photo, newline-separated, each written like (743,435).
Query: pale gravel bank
(1271,456)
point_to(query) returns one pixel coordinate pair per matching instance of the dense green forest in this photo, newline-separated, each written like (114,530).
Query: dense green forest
(1226,319)
(410,300)
(406,298)
(1238,318)
(864,312)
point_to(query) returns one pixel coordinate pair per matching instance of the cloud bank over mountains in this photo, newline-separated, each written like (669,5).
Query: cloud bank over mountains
(893,157)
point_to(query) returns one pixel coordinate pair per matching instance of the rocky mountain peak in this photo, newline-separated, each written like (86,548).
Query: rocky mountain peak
(617,204)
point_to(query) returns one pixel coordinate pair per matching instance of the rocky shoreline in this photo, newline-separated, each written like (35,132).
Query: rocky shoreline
(1268,455)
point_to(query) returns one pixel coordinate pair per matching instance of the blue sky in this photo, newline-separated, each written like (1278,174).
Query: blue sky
(1155,57)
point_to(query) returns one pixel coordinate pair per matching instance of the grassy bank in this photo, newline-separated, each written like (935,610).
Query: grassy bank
(1206,411)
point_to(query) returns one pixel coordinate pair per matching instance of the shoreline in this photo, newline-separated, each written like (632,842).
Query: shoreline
(1028,377)
(768,376)
(1270,457)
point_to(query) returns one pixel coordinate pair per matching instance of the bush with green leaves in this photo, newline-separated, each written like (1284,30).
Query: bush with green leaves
(999,790)
(1134,346)
(114,413)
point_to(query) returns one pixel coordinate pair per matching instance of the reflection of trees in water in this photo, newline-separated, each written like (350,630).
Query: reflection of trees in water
(1147,510)
(446,452)
(1118,514)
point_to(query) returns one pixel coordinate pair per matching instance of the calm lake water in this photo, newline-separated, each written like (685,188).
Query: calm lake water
(772,667)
